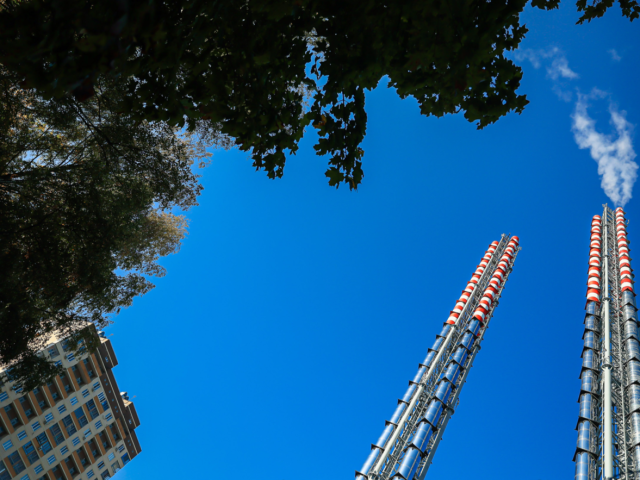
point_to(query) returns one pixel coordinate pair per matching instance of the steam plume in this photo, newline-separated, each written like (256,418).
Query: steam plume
(614,155)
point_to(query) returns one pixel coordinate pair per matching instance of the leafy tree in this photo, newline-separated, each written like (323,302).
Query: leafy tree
(597,8)
(86,200)
(241,63)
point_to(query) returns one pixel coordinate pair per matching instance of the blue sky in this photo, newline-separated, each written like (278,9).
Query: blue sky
(295,314)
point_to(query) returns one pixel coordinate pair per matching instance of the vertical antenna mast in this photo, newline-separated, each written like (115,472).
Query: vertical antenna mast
(406,447)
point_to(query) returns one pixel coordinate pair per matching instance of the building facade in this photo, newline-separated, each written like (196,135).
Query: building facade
(79,426)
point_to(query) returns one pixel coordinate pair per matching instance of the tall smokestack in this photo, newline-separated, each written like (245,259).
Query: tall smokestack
(410,438)
(609,420)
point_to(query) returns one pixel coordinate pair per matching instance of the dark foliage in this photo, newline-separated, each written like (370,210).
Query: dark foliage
(85,200)
(242,63)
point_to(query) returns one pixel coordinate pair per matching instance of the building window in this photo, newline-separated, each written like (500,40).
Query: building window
(89,474)
(54,391)
(43,443)
(62,408)
(108,417)
(85,393)
(114,432)
(31,453)
(88,365)
(53,351)
(100,465)
(93,411)
(13,416)
(76,441)
(3,396)
(76,373)
(105,474)
(35,426)
(73,400)
(98,424)
(51,459)
(48,417)
(111,456)
(103,400)
(4,473)
(22,435)
(96,385)
(69,425)
(94,449)
(64,450)
(82,418)
(57,473)
(16,462)
(26,406)
(70,357)
(57,434)
(125,459)
(7,445)
(38,468)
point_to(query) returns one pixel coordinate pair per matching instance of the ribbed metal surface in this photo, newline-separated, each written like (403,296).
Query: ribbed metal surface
(608,443)
(410,438)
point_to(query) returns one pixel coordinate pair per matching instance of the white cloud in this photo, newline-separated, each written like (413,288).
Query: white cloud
(614,55)
(534,56)
(559,68)
(614,155)
(564,95)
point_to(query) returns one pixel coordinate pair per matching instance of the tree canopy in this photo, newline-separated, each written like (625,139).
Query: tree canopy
(242,63)
(106,105)
(87,195)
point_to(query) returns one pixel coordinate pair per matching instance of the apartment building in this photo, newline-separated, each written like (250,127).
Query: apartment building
(79,426)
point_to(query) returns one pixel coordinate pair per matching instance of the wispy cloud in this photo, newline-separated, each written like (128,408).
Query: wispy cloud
(614,153)
(557,67)
(534,56)
(614,55)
